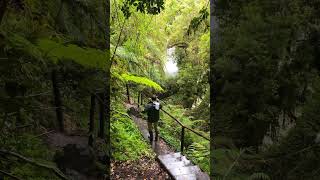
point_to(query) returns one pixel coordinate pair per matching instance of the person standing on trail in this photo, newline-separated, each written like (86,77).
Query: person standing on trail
(153,111)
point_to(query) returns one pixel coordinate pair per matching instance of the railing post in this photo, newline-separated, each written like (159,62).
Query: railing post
(182,139)
(128,93)
(91,120)
(141,99)
(57,99)
(102,114)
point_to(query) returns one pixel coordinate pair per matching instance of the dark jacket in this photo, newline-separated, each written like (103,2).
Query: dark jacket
(153,111)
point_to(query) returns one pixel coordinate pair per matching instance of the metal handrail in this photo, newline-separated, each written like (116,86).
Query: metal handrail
(183,127)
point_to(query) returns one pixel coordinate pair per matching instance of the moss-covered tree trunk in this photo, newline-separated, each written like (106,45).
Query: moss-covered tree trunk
(212,81)
(107,92)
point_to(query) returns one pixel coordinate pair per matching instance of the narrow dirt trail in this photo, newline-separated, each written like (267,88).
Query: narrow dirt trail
(160,147)
(178,165)
(144,168)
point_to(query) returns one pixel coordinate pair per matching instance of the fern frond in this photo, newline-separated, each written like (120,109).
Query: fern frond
(88,57)
(20,43)
(259,176)
(142,80)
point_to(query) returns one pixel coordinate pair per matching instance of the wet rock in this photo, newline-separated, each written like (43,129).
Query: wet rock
(80,159)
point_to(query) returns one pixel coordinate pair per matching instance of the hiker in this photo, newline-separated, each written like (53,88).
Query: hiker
(153,111)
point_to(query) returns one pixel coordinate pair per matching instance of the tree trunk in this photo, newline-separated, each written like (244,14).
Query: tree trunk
(91,120)
(107,92)
(57,100)
(212,81)
(3,8)
(107,98)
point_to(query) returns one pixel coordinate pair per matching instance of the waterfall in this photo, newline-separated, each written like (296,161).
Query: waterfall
(171,67)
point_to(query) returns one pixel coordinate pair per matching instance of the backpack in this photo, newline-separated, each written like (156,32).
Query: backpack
(153,111)
(156,105)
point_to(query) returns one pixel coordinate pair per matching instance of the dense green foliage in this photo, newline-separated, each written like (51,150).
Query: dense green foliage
(266,67)
(197,147)
(126,138)
(267,57)
(30,146)
(38,38)
(142,41)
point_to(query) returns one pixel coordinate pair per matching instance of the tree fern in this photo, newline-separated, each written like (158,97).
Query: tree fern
(87,57)
(142,80)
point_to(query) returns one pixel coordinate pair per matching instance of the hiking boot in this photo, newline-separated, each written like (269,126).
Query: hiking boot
(157,137)
(150,136)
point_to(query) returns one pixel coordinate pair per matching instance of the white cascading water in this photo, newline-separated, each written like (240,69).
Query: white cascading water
(171,67)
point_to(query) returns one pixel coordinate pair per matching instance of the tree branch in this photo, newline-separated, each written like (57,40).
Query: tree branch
(9,175)
(118,42)
(33,162)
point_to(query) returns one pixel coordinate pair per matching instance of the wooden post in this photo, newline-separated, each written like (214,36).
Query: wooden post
(138,99)
(141,98)
(101,115)
(128,93)
(57,100)
(182,139)
(91,120)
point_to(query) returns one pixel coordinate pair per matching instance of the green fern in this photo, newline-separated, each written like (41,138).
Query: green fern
(142,80)
(199,154)
(259,176)
(17,42)
(88,57)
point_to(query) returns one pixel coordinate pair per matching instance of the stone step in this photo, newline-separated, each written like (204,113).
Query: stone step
(186,177)
(185,160)
(181,168)
(177,171)
(177,164)
(199,174)
(181,171)
(145,134)
(203,176)
(169,160)
(172,155)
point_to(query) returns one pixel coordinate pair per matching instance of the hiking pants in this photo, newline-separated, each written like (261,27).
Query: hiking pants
(155,126)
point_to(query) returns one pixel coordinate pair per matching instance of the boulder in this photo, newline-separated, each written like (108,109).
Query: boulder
(81,159)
